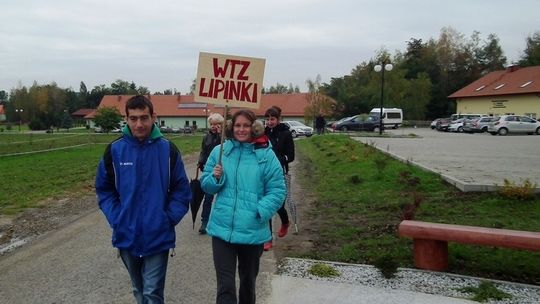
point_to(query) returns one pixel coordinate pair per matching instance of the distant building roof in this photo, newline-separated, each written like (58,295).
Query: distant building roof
(184,105)
(82,112)
(513,80)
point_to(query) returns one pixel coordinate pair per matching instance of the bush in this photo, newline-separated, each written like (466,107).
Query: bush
(323,270)
(515,191)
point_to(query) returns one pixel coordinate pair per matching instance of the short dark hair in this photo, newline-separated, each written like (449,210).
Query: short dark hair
(139,102)
(273,111)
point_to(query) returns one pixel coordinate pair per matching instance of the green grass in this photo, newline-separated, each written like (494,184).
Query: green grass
(27,180)
(361,196)
(485,292)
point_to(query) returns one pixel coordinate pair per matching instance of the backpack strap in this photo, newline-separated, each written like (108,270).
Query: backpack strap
(109,166)
(173,159)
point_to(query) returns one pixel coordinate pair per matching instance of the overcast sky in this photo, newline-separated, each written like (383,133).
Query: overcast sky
(157,43)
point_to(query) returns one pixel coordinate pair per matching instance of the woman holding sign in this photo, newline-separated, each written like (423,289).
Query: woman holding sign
(250,189)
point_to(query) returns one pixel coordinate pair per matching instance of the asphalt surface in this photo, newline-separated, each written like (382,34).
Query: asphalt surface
(472,162)
(77,264)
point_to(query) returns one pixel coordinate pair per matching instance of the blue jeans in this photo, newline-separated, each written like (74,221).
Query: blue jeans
(147,276)
(206,207)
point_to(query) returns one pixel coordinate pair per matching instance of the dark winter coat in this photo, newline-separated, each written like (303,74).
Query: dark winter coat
(282,144)
(210,140)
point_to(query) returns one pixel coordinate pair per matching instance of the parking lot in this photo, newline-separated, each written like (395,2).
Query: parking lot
(472,162)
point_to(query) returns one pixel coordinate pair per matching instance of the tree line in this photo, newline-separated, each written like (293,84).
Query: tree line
(422,78)
(424,74)
(49,106)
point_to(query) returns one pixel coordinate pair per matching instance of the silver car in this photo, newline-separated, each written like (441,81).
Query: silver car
(514,124)
(297,128)
(477,125)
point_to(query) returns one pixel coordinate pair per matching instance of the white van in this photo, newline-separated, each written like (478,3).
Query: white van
(466,115)
(392,117)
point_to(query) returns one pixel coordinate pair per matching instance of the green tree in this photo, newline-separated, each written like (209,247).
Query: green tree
(107,118)
(531,54)
(491,55)
(3,96)
(67,121)
(83,96)
(318,102)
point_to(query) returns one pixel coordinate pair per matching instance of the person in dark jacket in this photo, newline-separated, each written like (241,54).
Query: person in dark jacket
(320,124)
(248,181)
(283,146)
(143,191)
(210,140)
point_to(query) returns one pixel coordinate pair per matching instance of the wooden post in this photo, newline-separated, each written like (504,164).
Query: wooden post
(430,254)
(223,132)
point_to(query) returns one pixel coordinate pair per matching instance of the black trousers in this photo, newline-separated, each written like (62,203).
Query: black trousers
(226,255)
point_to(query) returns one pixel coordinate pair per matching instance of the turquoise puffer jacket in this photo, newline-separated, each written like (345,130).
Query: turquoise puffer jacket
(249,193)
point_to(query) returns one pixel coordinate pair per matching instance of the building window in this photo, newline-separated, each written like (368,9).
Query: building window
(187,123)
(526,84)
(481,87)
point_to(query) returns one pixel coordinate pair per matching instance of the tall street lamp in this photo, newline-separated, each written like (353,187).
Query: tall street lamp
(206,110)
(381,68)
(19,112)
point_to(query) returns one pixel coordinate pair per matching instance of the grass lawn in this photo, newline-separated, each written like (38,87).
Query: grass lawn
(361,195)
(27,180)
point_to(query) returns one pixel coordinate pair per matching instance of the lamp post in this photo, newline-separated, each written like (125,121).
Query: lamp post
(19,112)
(381,68)
(206,115)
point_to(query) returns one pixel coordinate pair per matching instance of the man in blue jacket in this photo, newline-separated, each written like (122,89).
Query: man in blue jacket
(144,192)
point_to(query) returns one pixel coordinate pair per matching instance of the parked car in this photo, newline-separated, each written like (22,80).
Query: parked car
(165,129)
(298,129)
(456,125)
(361,122)
(514,124)
(443,123)
(98,129)
(334,123)
(434,123)
(187,130)
(477,125)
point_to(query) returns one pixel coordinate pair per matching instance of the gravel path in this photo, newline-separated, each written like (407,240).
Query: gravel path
(437,283)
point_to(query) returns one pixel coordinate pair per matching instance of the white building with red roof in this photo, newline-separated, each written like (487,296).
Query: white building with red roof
(178,111)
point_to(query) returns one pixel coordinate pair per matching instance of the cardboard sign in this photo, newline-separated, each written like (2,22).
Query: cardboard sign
(229,80)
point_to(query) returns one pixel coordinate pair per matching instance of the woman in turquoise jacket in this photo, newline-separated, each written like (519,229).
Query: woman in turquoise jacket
(250,189)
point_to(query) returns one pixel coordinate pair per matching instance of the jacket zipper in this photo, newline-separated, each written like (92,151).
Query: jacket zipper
(236,191)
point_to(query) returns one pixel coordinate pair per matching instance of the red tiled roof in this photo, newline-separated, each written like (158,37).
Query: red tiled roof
(184,105)
(2,109)
(82,112)
(508,82)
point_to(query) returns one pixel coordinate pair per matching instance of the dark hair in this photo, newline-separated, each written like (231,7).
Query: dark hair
(246,113)
(273,111)
(139,102)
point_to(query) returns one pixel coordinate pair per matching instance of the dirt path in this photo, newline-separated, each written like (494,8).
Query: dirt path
(68,257)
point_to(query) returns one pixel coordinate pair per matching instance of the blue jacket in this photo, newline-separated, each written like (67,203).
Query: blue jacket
(143,191)
(249,193)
